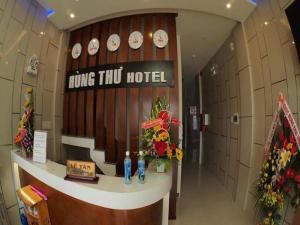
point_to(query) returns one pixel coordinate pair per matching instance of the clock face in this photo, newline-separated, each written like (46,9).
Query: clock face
(113,42)
(135,40)
(76,50)
(160,38)
(93,46)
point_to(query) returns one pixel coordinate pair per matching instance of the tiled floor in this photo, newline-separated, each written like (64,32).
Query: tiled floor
(204,201)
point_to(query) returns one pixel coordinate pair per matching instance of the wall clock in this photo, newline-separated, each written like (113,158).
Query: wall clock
(93,46)
(113,42)
(76,50)
(135,40)
(32,67)
(160,38)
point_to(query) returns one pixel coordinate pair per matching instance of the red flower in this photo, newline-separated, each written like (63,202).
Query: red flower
(286,123)
(175,121)
(281,136)
(173,146)
(290,173)
(282,180)
(285,143)
(160,148)
(164,115)
(292,138)
(287,189)
(297,178)
(276,146)
(294,150)
(165,126)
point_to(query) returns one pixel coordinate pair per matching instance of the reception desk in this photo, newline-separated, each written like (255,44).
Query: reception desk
(108,202)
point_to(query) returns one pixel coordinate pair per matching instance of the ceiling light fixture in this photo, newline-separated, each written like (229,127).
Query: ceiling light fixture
(293,42)
(266,23)
(228,5)
(72,15)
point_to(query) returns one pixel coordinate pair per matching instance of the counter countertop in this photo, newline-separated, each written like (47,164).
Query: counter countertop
(110,192)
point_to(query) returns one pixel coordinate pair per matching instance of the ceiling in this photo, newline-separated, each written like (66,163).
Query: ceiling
(203,25)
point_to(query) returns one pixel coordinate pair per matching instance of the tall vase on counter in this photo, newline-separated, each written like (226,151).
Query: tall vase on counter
(24,138)
(157,142)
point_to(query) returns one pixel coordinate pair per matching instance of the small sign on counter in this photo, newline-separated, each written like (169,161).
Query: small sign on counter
(40,146)
(81,171)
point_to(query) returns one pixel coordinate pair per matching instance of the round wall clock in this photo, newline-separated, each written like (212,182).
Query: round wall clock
(160,38)
(135,40)
(93,46)
(76,50)
(113,42)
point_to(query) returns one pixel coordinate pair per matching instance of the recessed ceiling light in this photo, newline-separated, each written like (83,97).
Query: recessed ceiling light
(266,23)
(228,5)
(293,42)
(42,33)
(72,15)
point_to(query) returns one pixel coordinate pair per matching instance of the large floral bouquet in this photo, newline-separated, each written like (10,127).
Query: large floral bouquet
(280,175)
(157,141)
(24,138)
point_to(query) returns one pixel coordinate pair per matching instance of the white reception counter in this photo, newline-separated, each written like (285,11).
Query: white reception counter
(110,192)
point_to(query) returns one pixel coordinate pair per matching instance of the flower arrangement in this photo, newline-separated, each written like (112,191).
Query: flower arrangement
(157,141)
(280,175)
(24,138)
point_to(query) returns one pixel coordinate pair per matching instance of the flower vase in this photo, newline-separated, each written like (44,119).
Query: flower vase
(160,166)
(26,154)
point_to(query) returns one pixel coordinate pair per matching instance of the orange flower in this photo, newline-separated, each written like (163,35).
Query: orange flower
(169,153)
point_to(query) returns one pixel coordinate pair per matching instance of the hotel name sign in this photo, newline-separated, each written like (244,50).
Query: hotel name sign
(122,75)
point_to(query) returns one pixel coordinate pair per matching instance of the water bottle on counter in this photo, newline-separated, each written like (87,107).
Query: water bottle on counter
(127,169)
(141,168)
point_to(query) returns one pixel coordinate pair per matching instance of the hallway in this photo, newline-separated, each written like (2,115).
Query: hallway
(204,201)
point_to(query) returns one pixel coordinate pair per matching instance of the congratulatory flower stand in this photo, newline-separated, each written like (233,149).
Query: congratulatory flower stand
(279,179)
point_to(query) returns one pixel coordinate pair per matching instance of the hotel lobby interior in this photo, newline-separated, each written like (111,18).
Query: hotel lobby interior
(149,112)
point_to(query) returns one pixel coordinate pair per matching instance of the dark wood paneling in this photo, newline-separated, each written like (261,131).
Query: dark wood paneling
(100,129)
(174,107)
(66,210)
(90,94)
(160,22)
(148,44)
(110,97)
(66,105)
(83,63)
(134,102)
(73,95)
(121,101)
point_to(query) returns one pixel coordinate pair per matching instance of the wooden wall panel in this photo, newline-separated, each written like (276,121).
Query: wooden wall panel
(73,95)
(160,23)
(90,94)
(110,98)
(148,45)
(83,63)
(174,100)
(134,101)
(100,129)
(121,101)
